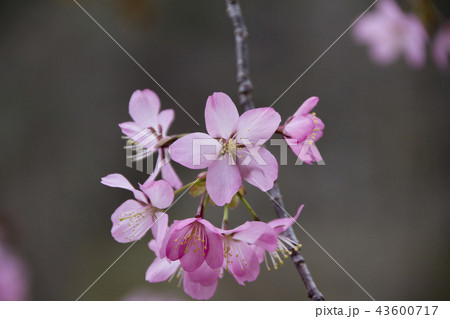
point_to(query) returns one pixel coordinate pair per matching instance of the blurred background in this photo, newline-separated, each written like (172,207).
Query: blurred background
(379,205)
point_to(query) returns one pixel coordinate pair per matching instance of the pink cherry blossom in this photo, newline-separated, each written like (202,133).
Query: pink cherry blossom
(232,148)
(389,32)
(441,46)
(240,244)
(194,241)
(303,129)
(148,127)
(134,218)
(199,284)
(285,245)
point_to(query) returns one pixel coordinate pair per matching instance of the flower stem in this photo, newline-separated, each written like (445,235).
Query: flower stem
(225,217)
(250,209)
(182,188)
(202,205)
(280,130)
(168,140)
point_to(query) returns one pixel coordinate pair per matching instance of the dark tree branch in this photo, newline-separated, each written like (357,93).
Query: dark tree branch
(297,258)
(245,86)
(245,89)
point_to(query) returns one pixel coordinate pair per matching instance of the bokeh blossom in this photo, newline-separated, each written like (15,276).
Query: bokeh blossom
(302,130)
(14,283)
(134,218)
(441,46)
(232,148)
(389,33)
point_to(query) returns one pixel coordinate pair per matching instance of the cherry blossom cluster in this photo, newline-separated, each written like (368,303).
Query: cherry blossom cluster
(193,250)
(389,32)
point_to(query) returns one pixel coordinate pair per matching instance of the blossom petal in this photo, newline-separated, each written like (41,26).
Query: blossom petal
(260,171)
(260,253)
(205,275)
(153,247)
(223,180)
(172,250)
(245,266)
(130,129)
(159,192)
(260,234)
(161,270)
(192,259)
(299,128)
(131,221)
(144,107)
(257,126)
(221,116)
(165,119)
(196,290)
(214,257)
(120,181)
(157,169)
(180,224)
(169,175)
(280,225)
(307,106)
(159,229)
(305,151)
(195,151)
(117,180)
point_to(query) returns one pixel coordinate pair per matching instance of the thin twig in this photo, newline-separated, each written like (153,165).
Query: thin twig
(245,86)
(297,258)
(245,89)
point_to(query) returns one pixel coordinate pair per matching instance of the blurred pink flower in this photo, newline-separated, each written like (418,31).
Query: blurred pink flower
(199,284)
(240,246)
(236,148)
(441,46)
(303,129)
(13,275)
(194,241)
(134,218)
(148,127)
(389,32)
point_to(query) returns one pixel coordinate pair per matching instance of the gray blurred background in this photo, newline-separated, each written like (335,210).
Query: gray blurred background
(379,206)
